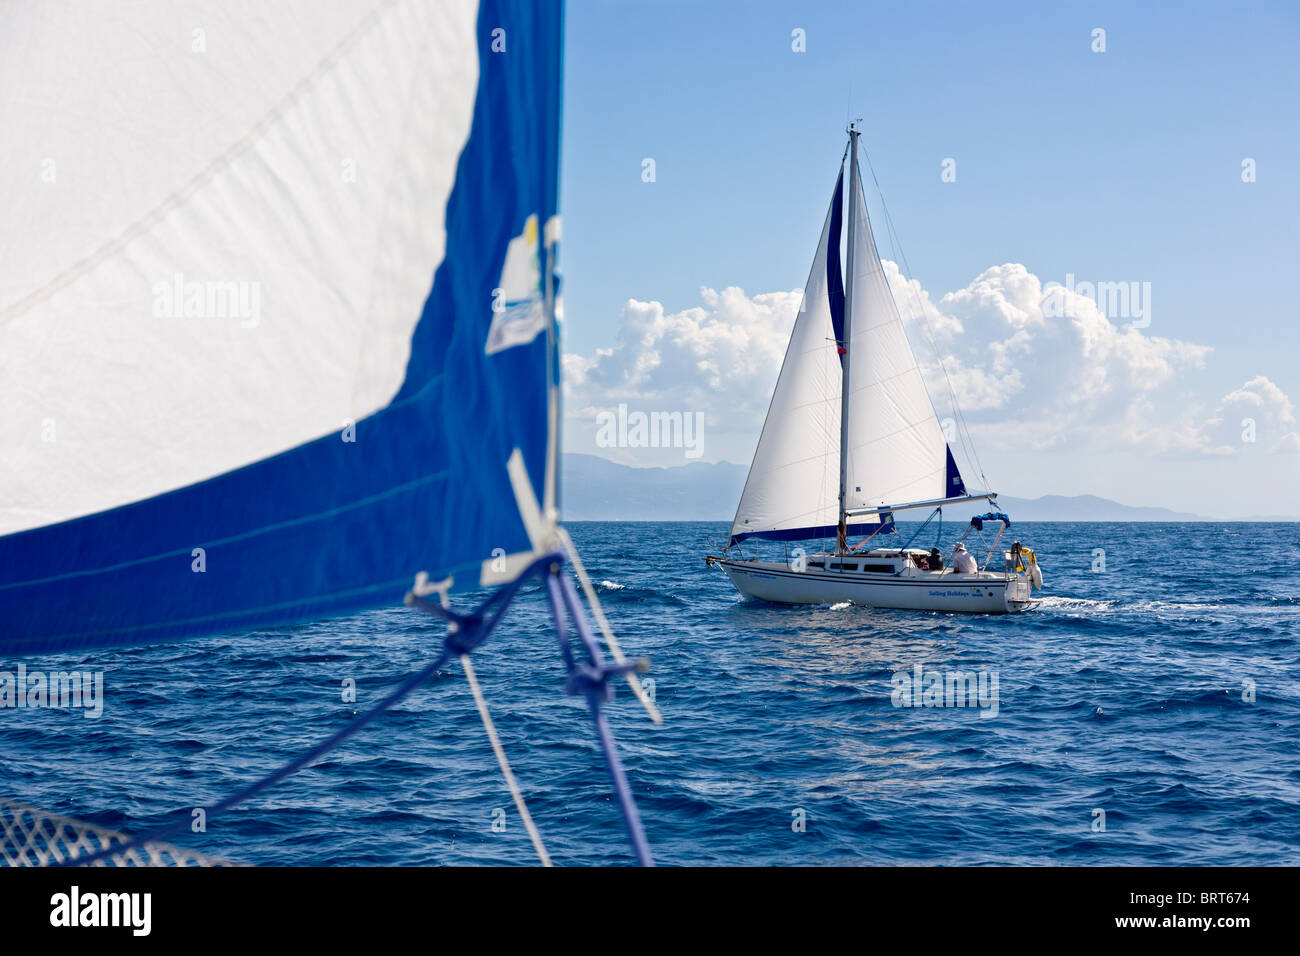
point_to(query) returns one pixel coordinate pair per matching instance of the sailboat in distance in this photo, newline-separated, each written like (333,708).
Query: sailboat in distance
(851,438)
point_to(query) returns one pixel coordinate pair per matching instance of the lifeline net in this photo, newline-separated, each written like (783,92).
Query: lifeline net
(32,837)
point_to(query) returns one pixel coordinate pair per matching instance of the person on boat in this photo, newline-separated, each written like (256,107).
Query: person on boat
(936,560)
(962,560)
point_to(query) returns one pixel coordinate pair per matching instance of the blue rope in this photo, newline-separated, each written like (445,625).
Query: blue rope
(471,630)
(936,511)
(591,678)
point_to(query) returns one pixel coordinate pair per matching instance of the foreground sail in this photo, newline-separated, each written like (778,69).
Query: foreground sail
(850,439)
(277,333)
(271,330)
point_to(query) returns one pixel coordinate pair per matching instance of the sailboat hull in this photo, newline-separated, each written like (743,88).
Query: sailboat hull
(985,592)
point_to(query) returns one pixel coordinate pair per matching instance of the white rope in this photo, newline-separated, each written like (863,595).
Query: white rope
(424,587)
(599,614)
(511,782)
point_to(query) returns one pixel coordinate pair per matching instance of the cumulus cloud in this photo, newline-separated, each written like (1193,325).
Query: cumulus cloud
(1257,413)
(731,340)
(1050,360)
(1051,354)
(720,359)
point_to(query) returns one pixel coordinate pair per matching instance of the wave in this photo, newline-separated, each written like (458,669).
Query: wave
(1056,603)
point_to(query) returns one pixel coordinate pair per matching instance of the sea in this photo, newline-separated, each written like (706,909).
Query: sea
(1145,711)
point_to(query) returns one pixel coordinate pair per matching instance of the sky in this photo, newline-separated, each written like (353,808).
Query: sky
(1013,152)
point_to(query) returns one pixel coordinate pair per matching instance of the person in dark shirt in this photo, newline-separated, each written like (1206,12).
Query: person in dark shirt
(936,560)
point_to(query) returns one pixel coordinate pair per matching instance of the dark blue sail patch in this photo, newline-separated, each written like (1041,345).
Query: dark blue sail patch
(953,486)
(834,275)
(822,531)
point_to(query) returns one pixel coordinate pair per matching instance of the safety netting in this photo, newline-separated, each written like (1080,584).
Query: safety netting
(32,837)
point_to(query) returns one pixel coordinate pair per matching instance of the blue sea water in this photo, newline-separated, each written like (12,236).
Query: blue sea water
(1163,691)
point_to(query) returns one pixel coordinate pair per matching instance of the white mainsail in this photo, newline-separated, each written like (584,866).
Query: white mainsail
(896,449)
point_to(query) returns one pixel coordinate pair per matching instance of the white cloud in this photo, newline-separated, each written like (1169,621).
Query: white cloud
(720,358)
(1065,370)
(1258,412)
(1025,375)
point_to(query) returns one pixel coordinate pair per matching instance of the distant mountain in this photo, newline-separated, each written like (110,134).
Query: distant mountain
(1087,508)
(596,489)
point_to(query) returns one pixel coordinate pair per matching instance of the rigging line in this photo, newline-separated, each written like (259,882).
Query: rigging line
(968,443)
(511,782)
(963,431)
(883,526)
(291,767)
(591,679)
(603,623)
(963,434)
(917,533)
(443,587)
(452,644)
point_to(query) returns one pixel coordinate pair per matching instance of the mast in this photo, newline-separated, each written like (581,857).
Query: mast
(842,543)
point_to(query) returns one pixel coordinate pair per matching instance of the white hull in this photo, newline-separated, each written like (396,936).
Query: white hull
(985,592)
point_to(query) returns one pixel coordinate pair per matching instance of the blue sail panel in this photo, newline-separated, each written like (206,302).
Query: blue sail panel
(344,520)
(953,486)
(834,274)
(823,531)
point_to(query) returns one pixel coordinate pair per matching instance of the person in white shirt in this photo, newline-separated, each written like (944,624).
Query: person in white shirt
(962,560)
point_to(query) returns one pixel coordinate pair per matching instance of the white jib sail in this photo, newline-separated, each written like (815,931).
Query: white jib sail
(794,479)
(897,451)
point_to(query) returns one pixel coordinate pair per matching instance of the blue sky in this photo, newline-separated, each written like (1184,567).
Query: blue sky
(1117,166)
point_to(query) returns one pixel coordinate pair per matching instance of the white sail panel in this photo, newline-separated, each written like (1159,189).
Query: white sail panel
(793,481)
(897,452)
(222,220)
